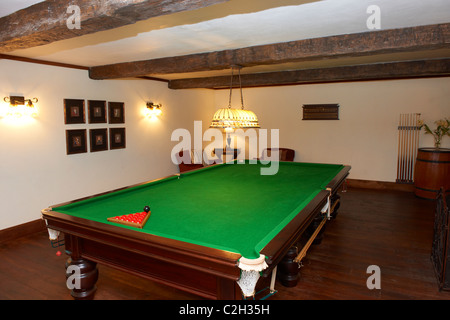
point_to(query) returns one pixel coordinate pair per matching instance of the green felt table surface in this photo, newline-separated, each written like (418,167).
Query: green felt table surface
(229,207)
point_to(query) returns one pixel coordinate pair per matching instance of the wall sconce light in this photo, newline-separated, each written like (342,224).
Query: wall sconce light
(19,106)
(153,110)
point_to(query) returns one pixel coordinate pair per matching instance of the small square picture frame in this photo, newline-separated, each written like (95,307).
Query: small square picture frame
(117,138)
(76,141)
(97,111)
(74,111)
(116,112)
(98,139)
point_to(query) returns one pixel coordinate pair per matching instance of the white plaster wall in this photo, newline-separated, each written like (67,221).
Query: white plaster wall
(35,170)
(365,137)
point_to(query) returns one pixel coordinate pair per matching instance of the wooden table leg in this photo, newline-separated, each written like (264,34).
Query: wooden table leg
(81,277)
(288,269)
(81,274)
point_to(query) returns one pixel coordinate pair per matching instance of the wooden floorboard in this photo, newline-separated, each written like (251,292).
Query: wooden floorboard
(392,230)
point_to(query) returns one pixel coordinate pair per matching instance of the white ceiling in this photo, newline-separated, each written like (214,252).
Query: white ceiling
(9,6)
(230,25)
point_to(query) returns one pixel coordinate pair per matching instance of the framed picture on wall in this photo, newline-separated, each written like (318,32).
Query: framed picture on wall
(98,139)
(74,111)
(116,112)
(97,111)
(76,141)
(116,138)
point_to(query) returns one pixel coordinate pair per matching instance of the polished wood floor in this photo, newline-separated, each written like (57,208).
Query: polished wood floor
(392,230)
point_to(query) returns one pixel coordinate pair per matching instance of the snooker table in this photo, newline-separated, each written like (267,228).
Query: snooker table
(207,227)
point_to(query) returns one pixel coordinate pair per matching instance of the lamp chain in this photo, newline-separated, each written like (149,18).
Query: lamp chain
(240,85)
(231,88)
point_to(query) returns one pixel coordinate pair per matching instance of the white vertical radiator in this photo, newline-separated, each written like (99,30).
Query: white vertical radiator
(408,142)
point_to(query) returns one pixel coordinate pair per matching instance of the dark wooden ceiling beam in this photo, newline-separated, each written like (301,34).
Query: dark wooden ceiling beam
(349,45)
(377,71)
(44,62)
(46,22)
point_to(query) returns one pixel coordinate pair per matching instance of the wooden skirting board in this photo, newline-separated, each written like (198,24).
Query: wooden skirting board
(21,230)
(379,185)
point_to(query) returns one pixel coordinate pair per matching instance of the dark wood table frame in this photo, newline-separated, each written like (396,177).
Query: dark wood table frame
(207,272)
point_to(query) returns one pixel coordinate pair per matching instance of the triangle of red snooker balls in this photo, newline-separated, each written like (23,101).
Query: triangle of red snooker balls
(137,219)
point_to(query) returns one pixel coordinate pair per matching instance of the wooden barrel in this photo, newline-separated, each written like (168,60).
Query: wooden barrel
(432,171)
